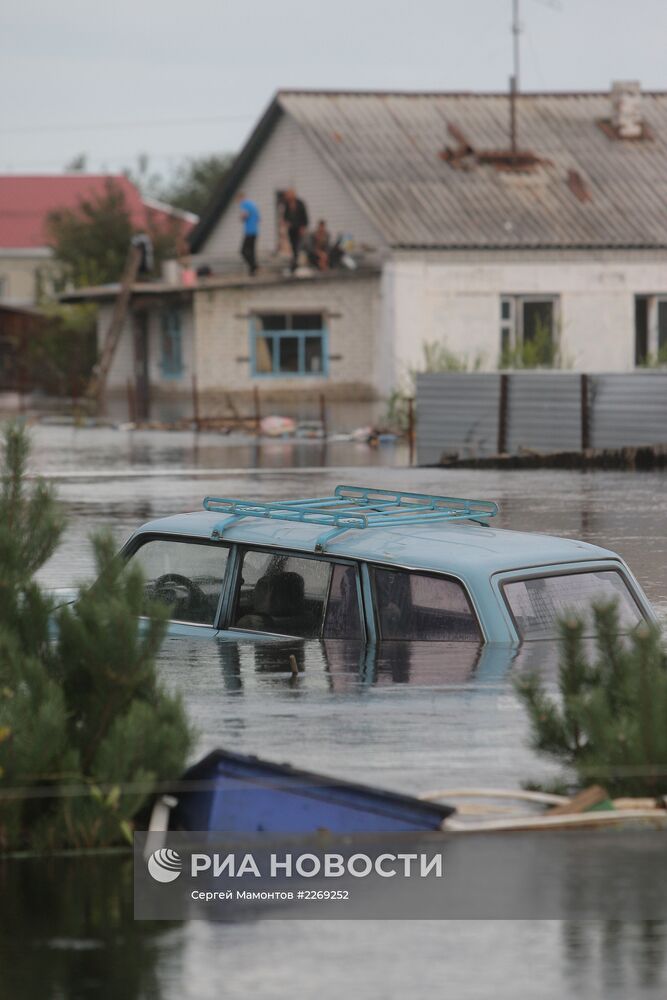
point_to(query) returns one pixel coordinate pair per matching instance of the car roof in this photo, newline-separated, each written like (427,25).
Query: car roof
(460,548)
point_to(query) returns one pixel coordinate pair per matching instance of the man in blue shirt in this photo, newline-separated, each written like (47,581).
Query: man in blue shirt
(250,217)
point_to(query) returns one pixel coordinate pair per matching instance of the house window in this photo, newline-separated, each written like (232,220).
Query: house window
(288,344)
(651,330)
(171,361)
(528,331)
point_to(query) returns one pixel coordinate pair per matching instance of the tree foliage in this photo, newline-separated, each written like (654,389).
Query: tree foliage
(86,730)
(608,724)
(436,358)
(196,182)
(91,242)
(58,357)
(541,350)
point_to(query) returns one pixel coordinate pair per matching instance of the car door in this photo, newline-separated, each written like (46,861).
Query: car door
(187,575)
(278,593)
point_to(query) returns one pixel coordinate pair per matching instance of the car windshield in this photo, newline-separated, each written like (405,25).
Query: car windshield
(538,604)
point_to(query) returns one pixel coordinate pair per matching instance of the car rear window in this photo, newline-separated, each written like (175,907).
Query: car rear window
(414,606)
(538,603)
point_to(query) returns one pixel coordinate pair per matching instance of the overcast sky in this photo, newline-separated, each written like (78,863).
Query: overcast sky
(170,79)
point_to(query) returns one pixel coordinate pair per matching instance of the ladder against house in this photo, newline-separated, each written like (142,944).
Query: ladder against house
(98,382)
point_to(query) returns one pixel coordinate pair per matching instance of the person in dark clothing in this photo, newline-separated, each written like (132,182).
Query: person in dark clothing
(144,244)
(296,218)
(250,217)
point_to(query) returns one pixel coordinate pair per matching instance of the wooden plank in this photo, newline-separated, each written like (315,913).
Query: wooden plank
(581,802)
(97,384)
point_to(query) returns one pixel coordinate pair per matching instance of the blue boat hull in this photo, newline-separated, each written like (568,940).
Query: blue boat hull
(237,794)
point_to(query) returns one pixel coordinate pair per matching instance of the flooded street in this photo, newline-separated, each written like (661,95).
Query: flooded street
(419,717)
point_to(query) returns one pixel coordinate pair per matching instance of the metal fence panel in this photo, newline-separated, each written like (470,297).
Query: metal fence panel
(544,412)
(628,410)
(457,412)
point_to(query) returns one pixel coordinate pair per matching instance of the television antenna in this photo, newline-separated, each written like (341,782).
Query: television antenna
(517,28)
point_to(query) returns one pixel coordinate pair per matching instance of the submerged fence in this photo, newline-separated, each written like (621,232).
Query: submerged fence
(479,414)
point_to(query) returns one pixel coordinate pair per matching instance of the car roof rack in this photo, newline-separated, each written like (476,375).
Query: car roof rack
(353,507)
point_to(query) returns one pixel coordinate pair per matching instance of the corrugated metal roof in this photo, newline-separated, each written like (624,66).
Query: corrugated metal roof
(385,148)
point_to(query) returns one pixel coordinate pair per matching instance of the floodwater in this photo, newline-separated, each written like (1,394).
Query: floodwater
(413,719)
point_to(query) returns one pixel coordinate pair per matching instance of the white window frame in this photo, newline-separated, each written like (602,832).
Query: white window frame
(513,326)
(653,303)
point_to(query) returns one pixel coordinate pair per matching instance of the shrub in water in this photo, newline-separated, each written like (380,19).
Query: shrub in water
(86,730)
(610,723)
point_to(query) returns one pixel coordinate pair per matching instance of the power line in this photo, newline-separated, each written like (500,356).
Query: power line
(149,123)
(126,159)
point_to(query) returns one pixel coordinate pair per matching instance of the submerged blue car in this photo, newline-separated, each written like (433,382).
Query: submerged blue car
(372,565)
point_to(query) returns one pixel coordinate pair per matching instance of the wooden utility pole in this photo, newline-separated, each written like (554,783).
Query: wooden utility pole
(98,383)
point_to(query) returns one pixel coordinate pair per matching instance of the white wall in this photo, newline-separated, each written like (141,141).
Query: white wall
(22,272)
(288,160)
(351,307)
(122,367)
(457,302)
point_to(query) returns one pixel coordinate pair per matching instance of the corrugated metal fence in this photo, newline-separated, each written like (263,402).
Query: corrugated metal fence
(477,414)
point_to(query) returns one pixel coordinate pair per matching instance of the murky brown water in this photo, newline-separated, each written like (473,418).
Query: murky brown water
(419,718)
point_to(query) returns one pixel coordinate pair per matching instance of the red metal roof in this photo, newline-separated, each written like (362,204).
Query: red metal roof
(25,202)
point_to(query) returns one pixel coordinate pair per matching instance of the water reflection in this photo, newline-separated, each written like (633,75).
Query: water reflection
(629,956)
(100,449)
(349,666)
(405,718)
(67,930)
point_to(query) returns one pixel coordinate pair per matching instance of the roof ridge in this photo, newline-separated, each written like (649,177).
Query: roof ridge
(350,92)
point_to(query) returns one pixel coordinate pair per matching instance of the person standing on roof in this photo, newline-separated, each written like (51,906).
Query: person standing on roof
(296,218)
(250,217)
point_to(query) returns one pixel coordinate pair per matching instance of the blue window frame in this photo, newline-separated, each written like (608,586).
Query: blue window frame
(287,345)
(171,360)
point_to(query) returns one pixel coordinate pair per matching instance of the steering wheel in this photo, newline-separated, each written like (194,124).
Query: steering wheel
(178,590)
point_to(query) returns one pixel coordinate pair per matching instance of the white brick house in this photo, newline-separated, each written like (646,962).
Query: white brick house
(460,241)
(477,245)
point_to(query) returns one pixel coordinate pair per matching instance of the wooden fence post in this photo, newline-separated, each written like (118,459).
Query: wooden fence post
(195,402)
(258,415)
(323,415)
(131,402)
(585,414)
(503,405)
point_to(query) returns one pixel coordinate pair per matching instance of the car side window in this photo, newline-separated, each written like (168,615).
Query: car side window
(282,594)
(186,576)
(423,606)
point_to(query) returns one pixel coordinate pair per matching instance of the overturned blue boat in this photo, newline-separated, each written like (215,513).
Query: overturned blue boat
(237,794)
